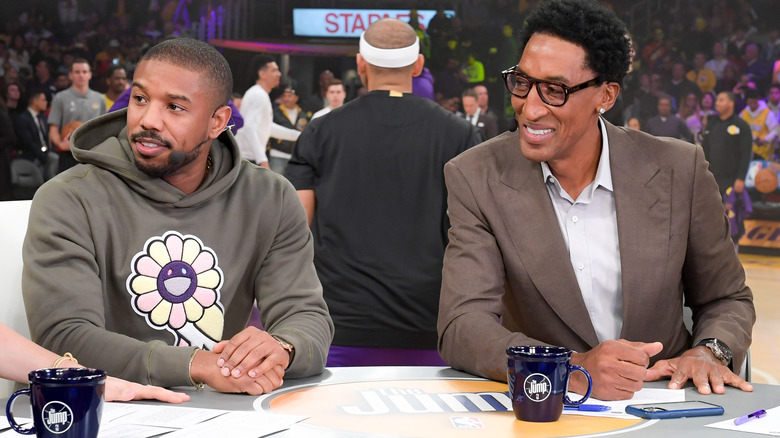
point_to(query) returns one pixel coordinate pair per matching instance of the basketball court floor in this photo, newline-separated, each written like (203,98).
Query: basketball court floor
(763,277)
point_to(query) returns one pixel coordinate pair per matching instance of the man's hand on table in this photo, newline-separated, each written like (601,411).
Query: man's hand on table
(700,365)
(252,362)
(618,368)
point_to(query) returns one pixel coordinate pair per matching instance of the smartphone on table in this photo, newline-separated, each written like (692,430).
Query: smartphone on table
(692,408)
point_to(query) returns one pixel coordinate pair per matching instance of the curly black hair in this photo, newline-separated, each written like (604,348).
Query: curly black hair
(588,24)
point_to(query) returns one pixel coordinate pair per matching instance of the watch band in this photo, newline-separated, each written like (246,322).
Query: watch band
(290,348)
(719,349)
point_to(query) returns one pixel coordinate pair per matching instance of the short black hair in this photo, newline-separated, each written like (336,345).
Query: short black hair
(112,68)
(259,62)
(196,56)
(588,24)
(34,95)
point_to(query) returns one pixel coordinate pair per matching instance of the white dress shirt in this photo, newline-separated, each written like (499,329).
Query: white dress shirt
(589,228)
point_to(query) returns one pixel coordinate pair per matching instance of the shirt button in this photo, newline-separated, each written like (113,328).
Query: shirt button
(575,219)
(580,266)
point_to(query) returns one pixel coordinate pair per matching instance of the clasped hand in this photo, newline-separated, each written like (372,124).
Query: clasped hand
(252,361)
(620,368)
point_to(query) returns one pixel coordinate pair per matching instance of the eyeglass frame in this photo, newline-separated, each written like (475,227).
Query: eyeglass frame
(533,81)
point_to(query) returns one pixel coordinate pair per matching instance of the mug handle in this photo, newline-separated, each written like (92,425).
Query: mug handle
(10,416)
(566,400)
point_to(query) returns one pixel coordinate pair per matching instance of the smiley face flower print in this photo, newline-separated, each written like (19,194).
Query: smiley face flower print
(175,283)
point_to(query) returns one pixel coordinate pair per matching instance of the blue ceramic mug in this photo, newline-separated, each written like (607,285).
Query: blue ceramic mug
(538,378)
(66,402)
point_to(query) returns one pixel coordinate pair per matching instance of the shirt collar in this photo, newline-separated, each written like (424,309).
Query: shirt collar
(603,171)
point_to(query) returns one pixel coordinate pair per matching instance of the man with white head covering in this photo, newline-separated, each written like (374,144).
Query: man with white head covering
(370,177)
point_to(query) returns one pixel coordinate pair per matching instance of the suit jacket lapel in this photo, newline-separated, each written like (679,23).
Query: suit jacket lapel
(533,228)
(643,201)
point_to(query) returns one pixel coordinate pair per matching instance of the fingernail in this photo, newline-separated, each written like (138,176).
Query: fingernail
(225,371)
(252,374)
(236,372)
(220,362)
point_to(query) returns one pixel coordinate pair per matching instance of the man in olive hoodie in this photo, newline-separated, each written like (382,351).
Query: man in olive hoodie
(145,260)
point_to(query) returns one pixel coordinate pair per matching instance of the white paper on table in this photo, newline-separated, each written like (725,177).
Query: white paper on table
(243,424)
(130,431)
(171,417)
(768,425)
(644,395)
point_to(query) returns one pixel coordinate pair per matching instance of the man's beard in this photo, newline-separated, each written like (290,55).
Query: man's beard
(167,169)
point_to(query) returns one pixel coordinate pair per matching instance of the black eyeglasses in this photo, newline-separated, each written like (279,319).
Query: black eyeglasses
(552,93)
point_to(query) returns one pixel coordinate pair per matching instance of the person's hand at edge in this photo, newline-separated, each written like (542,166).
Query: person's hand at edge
(702,367)
(122,390)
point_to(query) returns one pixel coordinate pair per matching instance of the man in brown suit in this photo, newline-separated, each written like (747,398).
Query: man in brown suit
(573,232)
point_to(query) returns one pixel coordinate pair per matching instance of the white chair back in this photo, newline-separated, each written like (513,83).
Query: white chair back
(13,227)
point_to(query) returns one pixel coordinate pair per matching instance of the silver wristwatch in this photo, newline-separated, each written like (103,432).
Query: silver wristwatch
(719,349)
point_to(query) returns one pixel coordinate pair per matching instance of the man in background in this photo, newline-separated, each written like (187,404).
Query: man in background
(32,134)
(727,144)
(370,177)
(116,79)
(258,113)
(78,103)
(665,124)
(288,115)
(763,124)
(486,124)
(335,95)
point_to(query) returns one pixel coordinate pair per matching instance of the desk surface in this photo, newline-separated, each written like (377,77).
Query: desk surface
(735,403)
(338,389)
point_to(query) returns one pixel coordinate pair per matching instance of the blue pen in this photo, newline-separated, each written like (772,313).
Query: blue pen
(588,408)
(752,416)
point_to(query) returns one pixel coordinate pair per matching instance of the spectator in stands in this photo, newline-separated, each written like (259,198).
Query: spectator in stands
(763,124)
(116,80)
(719,60)
(759,71)
(318,100)
(483,100)
(667,125)
(11,94)
(701,75)
(679,86)
(422,85)
(773,101)
(43,80)
(289,115)
(32,130)
(450,81)
(486,124)
(335,95)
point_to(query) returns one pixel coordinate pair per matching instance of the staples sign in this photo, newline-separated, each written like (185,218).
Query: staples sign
(350,23)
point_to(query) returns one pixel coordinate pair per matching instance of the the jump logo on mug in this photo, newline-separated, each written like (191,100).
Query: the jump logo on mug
(57,417)
(537,387)
(538,380)
(65,402)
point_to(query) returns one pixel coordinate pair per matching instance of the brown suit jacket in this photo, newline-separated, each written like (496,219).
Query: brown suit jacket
(507,278)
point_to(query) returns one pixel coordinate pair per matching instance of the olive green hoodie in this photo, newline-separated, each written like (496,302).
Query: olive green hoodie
(130,274)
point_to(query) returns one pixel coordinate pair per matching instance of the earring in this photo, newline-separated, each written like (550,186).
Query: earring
(601,111)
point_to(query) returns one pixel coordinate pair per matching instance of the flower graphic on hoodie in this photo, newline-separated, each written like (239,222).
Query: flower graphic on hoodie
(175,284)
